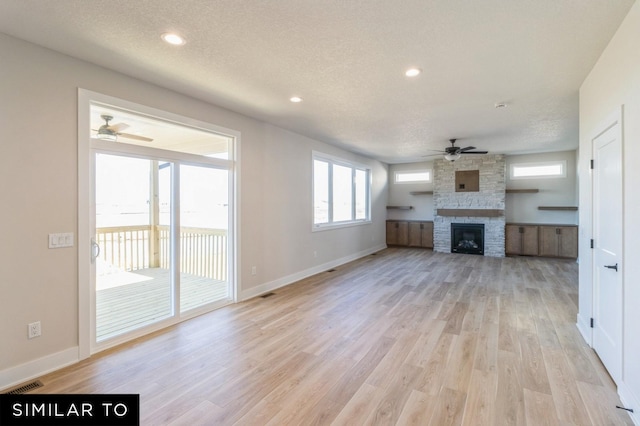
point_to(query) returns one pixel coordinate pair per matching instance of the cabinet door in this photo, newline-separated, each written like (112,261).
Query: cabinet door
(558,241)
(521,240)
(513,240)
(397,233)
(548,241)
(392,233)
(568,241)
(403,233)
(427,234)
(529,240)
(415,234)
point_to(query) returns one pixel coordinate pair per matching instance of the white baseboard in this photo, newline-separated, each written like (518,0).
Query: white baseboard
(19,374)
(584,327)
(290,279)
(628,399)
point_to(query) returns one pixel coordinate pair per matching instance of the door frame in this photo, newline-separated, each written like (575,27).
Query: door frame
(86,209)
(612,120)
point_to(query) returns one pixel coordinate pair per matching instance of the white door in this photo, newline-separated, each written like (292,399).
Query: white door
(607,224)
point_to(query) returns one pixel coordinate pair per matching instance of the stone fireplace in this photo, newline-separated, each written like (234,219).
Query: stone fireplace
(478,201)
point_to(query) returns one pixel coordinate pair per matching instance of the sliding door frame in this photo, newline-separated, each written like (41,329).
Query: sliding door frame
(87,149)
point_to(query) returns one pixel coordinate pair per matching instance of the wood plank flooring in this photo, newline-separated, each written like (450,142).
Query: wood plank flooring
(404,337)
(127,307)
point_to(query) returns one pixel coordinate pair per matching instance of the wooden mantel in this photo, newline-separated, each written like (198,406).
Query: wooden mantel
(471,212)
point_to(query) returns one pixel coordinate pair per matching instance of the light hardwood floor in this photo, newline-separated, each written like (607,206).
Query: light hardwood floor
(407,337)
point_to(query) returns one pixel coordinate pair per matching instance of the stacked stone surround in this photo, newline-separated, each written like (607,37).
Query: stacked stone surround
(491,196)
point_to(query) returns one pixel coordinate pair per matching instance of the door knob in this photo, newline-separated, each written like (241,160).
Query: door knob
(612,267)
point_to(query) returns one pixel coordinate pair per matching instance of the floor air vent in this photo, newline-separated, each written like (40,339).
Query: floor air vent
(331,270)
(264,296)
(25,388)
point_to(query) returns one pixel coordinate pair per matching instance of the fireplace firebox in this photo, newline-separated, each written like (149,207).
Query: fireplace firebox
(467,238)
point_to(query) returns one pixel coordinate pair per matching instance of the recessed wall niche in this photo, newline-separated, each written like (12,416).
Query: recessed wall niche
(467,180)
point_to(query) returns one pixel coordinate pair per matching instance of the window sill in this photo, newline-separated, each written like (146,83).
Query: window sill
(339,225)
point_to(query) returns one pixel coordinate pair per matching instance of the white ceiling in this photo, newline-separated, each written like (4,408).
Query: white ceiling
(347,59)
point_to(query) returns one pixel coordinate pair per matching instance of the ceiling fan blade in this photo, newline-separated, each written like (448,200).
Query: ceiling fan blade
(119,127)
(468,148)
(475,152)
(135,137)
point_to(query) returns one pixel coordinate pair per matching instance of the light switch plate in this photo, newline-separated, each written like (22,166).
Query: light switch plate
(61,240)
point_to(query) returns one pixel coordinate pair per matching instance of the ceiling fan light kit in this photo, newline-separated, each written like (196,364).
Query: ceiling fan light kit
(107,137)
(452,153)
(104,132)
(452,157)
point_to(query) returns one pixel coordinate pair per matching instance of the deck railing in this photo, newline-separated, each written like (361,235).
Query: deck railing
(203,251)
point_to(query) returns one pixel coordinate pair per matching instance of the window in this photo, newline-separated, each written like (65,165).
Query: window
(341,192)
(550,169)
(414,176)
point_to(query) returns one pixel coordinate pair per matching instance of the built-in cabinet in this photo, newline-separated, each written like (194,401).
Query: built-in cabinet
(397,233)
(410,233)
(521,240)
(558,241)
(421,234)
(541,240)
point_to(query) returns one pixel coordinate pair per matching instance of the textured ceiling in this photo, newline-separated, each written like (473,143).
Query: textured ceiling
(347,59)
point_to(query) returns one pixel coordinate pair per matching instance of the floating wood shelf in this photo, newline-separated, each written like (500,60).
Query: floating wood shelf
(420,192)
(565,208)
(522,191)
(399,207)
(471,212)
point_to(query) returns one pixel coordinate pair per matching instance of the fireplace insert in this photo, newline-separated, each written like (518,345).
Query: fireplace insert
(467,238)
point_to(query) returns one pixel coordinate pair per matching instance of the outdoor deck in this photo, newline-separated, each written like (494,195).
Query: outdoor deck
(126,301)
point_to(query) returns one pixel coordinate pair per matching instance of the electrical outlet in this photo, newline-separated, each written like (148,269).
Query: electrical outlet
(253,270)
(315,254)
(34,329)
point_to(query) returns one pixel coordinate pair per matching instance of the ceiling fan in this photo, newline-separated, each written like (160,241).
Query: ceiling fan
(111,132)
(453,152)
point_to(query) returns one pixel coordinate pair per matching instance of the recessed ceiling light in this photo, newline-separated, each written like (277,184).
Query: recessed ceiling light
(174,39)
(295,99)
(412,72)
(500,105)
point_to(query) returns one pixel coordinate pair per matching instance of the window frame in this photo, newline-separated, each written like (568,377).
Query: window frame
(562,163)
(331,160)
(412,182)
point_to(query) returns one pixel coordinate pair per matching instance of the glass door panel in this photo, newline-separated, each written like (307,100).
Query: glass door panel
(133,279)
(204,226)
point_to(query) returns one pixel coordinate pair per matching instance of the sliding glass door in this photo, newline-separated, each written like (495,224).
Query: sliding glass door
(204,219)
(162,240)
(133,285)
